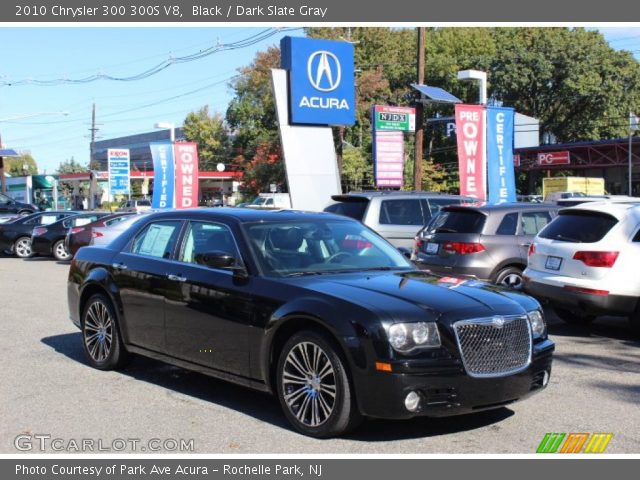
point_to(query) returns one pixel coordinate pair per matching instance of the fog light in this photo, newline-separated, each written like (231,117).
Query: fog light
(412,401)
(545,378)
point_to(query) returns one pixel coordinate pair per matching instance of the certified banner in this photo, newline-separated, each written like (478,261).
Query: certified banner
(186,155)
(472,159)
(502,179)
(163,174)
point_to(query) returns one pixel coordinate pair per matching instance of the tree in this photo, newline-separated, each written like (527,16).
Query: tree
(210,133)
(15,166)
(356,169)
(71,166)
(265,168)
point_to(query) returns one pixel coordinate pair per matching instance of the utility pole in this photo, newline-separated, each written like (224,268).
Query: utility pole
(417,163)
(92,145)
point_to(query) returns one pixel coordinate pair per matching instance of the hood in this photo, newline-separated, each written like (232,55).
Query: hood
(411,294)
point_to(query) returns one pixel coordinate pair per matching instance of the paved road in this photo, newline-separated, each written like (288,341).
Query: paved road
(47,388)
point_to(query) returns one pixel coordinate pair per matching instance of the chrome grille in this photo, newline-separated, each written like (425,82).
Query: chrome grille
(494,347)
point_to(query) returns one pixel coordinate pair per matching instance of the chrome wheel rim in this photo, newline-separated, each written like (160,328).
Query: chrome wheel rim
(61,252)
(309,384)
(98,331)
(23,247)
(513,280)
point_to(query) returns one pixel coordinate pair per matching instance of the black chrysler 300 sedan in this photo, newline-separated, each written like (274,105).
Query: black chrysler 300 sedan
(315,308)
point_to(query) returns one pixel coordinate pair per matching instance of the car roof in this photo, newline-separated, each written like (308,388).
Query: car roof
(393,194)
(617,209)
(501,207)
(248,215)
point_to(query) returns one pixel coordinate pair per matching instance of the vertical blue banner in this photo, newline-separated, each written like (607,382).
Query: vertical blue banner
(501,174)
(163,174)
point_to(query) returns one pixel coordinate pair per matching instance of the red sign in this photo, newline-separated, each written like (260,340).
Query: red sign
(389,158)
(472,156)
(516,160)
(554,158)
(186,158)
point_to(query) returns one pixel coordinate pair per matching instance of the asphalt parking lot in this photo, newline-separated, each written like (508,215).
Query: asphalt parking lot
(47,388)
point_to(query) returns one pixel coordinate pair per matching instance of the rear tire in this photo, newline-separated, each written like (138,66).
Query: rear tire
(573,318)
(22,247)
(313,387)
(101,339)
(60,252)
(510,277)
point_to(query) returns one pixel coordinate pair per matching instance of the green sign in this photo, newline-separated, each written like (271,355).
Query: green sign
(398,119)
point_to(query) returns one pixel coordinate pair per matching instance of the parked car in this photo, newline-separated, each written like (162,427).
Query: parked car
(270,201)
(584,262)
(487,242)
(48,240)
(8,217)
(397,216)
(314,308)
(9,205)
(578,200)
(135,206)
(80,236)
(105,235)
(15,236)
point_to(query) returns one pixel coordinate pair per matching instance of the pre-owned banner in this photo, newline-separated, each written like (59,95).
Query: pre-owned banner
(163,174)
(472,159)
(502,179)
(186,155)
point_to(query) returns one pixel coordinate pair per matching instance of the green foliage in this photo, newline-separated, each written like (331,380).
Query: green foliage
(15,166)
(357,170)
(210,133)
(71,166)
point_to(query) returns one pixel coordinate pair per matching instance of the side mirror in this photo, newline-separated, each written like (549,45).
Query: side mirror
(215,259)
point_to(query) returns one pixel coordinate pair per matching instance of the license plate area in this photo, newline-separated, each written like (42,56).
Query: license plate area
(553,263)
(432,248)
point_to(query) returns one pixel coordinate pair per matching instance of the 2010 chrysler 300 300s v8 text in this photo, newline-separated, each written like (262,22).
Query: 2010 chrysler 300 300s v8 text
(315,308)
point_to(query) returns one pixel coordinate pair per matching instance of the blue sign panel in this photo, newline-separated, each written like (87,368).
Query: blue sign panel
(321,81)
(501,174)
(118,164)
(163,174)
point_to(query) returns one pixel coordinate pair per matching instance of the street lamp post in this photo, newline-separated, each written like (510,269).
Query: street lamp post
(170,126)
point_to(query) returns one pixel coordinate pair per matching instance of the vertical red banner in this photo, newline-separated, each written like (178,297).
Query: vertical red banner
(186,161)
(472,155)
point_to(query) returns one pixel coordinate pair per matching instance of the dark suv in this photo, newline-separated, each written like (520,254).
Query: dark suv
(397,216)
(488,242)
(9,205)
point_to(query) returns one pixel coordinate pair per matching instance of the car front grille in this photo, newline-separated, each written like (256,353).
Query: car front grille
(495,346)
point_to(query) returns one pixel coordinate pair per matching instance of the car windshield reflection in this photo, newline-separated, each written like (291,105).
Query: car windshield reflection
(320,247)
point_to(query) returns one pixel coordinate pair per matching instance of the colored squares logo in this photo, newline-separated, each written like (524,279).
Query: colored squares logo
(575,442)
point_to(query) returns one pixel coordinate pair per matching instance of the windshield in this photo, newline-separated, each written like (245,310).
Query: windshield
(313,247)
(258,201)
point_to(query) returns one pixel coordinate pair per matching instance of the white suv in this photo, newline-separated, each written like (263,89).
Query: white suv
(585,262)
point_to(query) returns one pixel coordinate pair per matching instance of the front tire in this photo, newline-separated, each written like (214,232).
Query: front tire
(634,320)
(60,253)
(313,387)
(573,318)
(22,247)
(101,339)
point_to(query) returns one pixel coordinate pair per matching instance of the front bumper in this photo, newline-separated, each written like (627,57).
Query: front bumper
(447,391)
(584,302)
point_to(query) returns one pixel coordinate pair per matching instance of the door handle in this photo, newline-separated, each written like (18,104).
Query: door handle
(119,266)
(176,278)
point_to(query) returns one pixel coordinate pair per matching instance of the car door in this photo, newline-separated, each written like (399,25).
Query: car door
(208,311)
(140,272)
(531,222)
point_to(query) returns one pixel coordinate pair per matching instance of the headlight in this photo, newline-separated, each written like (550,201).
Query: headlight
(536,320)
(405,337)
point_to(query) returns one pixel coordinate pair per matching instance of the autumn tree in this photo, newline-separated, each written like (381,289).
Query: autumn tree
(210,133)
(22,165)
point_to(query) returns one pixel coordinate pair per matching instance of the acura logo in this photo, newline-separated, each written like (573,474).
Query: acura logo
(324,71)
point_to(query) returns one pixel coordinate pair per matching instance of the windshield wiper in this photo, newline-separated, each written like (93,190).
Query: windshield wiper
(567,239)
(302,274)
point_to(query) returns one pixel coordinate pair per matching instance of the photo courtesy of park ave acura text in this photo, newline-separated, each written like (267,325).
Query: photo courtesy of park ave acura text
(244,239)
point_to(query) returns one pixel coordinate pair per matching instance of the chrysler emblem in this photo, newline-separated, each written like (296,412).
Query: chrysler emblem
(324,71)
(497,322)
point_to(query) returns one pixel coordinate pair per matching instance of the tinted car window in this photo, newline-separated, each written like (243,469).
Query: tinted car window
(113,221)
(636,237)
(206,237)
(579,227)
(436,204)
(533,222)
(144,203)
(458,221)
(157,240)
(353,210)
(508,225)
(401,212)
